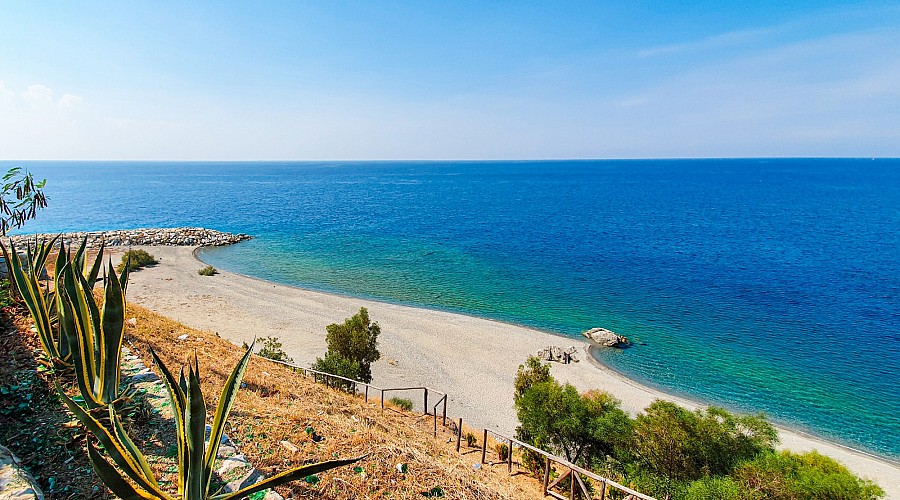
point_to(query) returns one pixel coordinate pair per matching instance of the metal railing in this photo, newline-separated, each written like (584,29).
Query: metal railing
(575,472)
(350,383)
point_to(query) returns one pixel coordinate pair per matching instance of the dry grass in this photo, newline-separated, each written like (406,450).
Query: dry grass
(278,404)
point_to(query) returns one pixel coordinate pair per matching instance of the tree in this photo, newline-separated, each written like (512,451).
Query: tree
(20,199)
(355,340)
(786,475)
(530,373)
(680,445)
(580,427)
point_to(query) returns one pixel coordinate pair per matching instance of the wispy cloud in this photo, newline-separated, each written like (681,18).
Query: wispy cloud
(729,39)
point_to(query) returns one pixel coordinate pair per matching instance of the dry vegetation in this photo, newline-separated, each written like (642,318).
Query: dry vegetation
(278,405)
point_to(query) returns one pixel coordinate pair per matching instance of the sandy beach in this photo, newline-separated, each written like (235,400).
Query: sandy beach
(473,360)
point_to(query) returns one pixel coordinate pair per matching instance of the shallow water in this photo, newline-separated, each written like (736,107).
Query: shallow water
(761,285)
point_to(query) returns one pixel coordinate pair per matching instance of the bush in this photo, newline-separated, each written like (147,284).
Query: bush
(405,404)
(786,475)
(336,364)
(356,340)
(270,347)
(530,373)
(207,271)
(582,428)
(682,445)
(502,450)
(471,440)
(136,259)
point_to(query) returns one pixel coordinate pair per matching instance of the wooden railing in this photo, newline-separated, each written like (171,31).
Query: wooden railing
(354,385)
(574,471)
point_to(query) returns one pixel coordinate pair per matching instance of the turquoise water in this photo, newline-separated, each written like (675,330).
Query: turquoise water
(761,285)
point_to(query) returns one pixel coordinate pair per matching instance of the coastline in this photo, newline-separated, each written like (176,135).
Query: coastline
(473,359)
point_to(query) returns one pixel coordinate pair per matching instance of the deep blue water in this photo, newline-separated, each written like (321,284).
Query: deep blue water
(761,285)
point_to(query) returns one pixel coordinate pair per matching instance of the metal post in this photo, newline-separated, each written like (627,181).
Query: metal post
(426,401)
(459,435)
(444,417)
(484,446)
(435,424)
(382,400)
(546,475)
(367,394)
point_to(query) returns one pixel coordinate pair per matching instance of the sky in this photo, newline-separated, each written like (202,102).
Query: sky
(321,80)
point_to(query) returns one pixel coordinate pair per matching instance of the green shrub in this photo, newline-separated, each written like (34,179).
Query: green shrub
(270,347)
(207,271)
(471,440)
(405,404)
(336,364)
(136,259)
(530,373)
(787,475)
(714,488)
(579,427)
(681,445)
(502,450)
(356,340)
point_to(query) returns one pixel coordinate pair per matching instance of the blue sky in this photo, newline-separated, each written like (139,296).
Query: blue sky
(461,80)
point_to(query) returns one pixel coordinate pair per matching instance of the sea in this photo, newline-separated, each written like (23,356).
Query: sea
(759,285)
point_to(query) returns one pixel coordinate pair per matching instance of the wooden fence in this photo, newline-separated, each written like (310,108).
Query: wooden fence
(574,472)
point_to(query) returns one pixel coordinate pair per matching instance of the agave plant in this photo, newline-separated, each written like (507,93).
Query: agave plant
(94,334)
(38,300)
(41,301)
(132,477)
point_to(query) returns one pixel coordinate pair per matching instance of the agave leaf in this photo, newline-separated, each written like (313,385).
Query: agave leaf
(31,293)
(95,268)
(111,444)
(178,400)
(287,476)
(9,269)
(114,480)
(80,256)
(73,324)
(195,427)
(226,400)
(112,331)
(128,445)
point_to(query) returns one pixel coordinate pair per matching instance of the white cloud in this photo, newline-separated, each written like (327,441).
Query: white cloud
(5,93)
(38,94)
(70,101)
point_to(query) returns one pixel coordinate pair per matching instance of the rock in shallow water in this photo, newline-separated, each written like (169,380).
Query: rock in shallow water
(606,338)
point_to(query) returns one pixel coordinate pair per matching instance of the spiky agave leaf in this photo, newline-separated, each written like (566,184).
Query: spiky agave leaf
(287,476)
(35,299)
(124,454)
(94,335)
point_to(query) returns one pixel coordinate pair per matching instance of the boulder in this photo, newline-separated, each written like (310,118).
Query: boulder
(606,338)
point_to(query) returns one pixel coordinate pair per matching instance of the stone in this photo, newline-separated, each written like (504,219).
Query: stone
(15,481)
(606,338)
(289,446)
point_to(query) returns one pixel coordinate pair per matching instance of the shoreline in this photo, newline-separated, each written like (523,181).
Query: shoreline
(472,359)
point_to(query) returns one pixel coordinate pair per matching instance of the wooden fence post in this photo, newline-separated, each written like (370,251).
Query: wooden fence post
(546,475)
(459,434)
(444,417)
(382,400)
(603,491)
(367,394)
(572,484)
(426,401)
(509,456)
(484,446)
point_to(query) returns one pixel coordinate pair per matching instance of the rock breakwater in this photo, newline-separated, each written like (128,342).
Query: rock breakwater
(174,236)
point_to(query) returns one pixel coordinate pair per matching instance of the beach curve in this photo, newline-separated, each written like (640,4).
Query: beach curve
(474,360)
